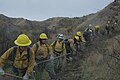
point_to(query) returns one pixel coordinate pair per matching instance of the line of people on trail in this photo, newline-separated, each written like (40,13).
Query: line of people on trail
(110,27)
(25,58)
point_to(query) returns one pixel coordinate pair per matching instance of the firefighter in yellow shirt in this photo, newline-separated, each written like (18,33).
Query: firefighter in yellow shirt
(78,40)
(59,50)
(21,55)
(44,52)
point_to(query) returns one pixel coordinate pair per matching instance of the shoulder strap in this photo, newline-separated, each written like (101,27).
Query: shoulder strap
(63,44)
(54,43)
(28,54)
(47,48)
(36,47)
(14,53)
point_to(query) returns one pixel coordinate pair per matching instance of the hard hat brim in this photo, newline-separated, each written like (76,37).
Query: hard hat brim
(27,44)
(44,38)
(60,38)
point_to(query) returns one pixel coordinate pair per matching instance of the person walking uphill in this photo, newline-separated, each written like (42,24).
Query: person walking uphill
(43,52)
(97,29)
(78,40)
(59,50)
(21,55)
(109,27)
(70,48)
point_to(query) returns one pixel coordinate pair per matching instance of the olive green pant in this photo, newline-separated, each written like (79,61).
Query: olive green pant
(18,72)
(47,66)
(58,63)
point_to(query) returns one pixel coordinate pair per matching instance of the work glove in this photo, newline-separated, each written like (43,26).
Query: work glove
(70,58)
(35,64)
(1,71)
(26,77)
(52,57)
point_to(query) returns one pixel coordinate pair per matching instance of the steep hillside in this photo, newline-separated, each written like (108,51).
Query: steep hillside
(110,12)
(100,61)
(68,26)
(11,27)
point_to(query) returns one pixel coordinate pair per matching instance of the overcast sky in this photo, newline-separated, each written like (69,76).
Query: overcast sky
(44,9)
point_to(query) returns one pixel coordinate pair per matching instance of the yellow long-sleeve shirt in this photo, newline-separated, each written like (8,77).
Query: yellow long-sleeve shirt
(43,50)
(58,47)
(20,60)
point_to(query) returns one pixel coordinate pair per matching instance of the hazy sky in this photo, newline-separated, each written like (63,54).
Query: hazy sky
(44,9)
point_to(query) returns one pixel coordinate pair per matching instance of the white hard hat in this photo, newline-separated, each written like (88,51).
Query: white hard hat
(60,36)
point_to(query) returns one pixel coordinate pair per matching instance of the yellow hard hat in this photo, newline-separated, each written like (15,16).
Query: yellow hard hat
(79,33)
(22,40)
(43,36)
(97,27)
(77,38)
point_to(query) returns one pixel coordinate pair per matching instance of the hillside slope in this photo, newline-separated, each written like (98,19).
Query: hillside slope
(98,62)
(10,28)
(109,13)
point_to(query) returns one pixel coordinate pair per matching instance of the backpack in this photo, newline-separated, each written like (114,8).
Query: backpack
(107,27)
(67,45)
(14,54)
